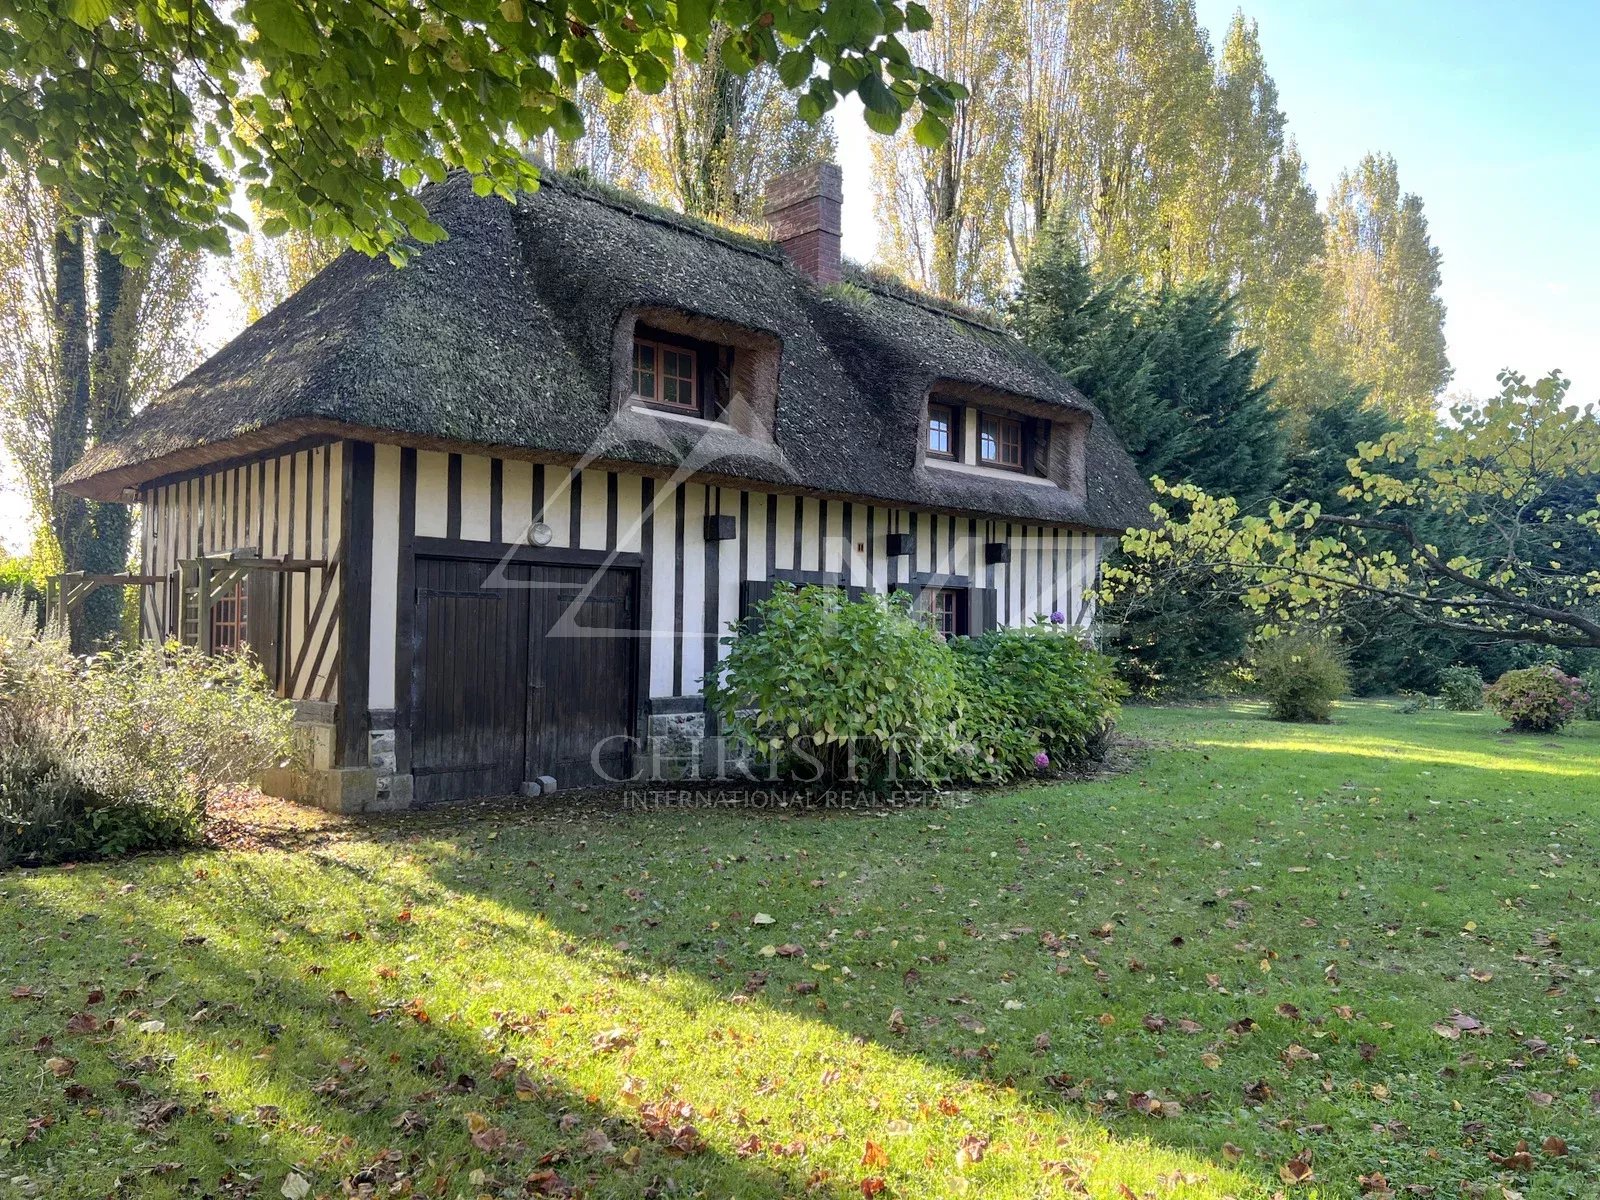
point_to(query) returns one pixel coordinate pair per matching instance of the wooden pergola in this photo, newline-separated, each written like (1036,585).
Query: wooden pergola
(206,579)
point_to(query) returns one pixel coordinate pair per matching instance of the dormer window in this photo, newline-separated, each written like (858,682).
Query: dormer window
(684,367)
(1000,442)
(977,436)
(942,432)
(666,376)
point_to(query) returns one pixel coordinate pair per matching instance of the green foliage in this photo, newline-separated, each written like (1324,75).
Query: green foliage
(1090,330)
(120,751)
(1166,369)
(1301,675)
(50,811)
(1169,376)
(1591,685)
(1537,699)
(1514,478)
(18,578)
(332,113)
(1383,320)
(839,691)
(1062,693)
(1461,689)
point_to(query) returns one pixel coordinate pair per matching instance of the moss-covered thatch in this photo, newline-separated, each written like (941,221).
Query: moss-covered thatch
(503,335)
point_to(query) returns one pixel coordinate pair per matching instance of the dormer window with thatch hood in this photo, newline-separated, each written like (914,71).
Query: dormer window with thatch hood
(970,430)
(693,368)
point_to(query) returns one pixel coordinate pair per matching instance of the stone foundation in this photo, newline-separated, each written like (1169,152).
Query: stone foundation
(314,779)
(675,739)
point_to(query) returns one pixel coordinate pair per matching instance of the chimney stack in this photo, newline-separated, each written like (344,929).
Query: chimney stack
(803,210)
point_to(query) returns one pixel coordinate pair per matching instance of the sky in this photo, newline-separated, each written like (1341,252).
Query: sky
(1492,114)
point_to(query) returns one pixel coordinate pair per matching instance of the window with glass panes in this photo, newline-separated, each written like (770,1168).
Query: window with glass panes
(228,620)
(665,375)
(944,604)
(1000,442)
(942,431)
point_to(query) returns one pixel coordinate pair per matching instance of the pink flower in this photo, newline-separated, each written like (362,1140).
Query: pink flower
(1041,760)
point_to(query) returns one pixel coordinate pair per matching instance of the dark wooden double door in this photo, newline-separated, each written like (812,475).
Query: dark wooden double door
(520,670)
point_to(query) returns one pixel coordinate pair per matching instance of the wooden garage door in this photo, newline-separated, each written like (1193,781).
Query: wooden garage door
(513,682)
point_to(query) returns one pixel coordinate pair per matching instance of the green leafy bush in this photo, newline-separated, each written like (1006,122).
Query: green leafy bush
(1301,675)
(990,744)
(119,752)
(1591,707)
(1537,699)
(838,691)
(1061,693)
(866,691)
(1461,689)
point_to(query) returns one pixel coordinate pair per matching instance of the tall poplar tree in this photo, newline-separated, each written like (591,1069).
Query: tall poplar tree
(707,144)
(1253,223)
(1383,321)
(85,341)
(943,207)
(1047,108)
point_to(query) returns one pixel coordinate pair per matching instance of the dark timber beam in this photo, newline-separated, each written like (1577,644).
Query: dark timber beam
(355,605)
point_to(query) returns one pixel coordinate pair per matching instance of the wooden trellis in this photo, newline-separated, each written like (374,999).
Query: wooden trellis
(193,591)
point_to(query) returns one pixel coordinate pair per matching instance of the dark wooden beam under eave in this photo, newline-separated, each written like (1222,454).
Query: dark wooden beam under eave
(355,605)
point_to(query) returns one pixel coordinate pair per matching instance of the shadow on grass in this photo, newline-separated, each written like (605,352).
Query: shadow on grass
(362,1023)
(232,1067)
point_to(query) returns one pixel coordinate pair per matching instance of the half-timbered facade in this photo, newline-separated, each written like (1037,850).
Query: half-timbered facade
(487,519)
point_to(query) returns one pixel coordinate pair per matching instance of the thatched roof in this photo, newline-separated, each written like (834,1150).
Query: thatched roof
(503,336)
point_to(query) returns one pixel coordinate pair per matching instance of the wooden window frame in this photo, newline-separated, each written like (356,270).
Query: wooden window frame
(229,616)
(696,405)
(953,431)
(959,611)
(1001,421)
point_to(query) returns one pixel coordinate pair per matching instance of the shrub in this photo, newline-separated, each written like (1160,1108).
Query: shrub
(1061,693)
(1301,675)
(1537,699)
(835,690)
(1461,689)
(990,745)
(1591,684)
(119,752)
(866,691)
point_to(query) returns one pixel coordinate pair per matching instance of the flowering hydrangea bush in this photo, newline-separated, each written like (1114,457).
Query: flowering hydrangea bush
(1537,699)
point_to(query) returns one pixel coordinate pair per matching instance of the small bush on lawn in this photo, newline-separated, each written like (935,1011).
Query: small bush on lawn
(1537,699)
(1301,675)
(119,752)
(1461,689)
(1061,693)
(836,690)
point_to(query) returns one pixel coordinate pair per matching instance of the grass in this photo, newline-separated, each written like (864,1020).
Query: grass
(1267,953)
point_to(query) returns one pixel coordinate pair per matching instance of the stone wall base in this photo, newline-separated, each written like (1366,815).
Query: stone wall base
(675,741)
(315,780)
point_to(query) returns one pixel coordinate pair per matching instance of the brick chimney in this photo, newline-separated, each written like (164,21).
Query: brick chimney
(804,213)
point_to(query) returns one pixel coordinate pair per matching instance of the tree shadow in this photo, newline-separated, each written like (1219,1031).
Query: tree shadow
(219,1051)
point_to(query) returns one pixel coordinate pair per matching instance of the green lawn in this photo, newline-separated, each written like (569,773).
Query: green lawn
(1350,950)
